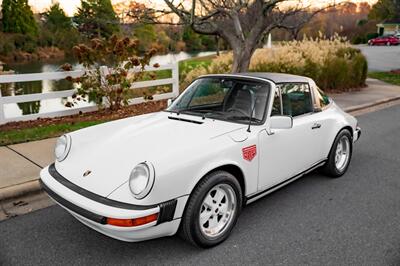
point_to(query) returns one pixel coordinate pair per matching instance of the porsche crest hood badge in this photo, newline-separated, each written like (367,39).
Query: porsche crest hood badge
(88,172)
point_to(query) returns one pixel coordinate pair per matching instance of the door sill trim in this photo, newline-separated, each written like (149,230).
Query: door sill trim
(259,194)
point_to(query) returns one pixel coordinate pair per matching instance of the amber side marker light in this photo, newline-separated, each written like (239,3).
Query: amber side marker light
(132,222)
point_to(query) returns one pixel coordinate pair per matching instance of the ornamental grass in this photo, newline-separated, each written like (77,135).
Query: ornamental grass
(333,63)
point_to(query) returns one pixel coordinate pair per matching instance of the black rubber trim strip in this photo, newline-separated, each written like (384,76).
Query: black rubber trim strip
(90,195)
(167,211)
(85,213)
(283,182)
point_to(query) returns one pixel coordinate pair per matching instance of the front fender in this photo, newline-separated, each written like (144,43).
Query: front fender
(178,176)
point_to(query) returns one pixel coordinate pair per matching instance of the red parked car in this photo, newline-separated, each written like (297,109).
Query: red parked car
(385,40)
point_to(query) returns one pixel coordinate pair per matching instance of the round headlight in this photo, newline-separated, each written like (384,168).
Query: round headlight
(62,148)
(141,180)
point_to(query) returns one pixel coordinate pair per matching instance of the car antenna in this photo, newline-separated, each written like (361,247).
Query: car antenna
(251,115)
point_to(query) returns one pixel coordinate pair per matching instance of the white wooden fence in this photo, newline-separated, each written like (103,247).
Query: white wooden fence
(174,81)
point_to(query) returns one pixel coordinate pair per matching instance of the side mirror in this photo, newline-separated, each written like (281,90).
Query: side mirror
(281,122)
(169,102)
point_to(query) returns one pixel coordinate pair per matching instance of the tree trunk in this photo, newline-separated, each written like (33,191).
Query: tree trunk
(241,58)
(217,42)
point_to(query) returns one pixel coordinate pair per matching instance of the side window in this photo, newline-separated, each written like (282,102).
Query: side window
(276,106)
(296,99)
(321,98)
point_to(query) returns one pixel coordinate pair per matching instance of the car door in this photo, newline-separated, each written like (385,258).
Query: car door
(324,120)
(288,152)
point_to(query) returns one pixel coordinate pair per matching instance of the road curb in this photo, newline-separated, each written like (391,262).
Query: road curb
(369,105)
(19,190)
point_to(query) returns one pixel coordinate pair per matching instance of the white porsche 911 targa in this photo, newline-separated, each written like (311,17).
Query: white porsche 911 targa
(225,142)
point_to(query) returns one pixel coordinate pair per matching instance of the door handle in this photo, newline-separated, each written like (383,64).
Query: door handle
(316,126)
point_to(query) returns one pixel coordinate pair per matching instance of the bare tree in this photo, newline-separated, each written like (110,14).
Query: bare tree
(295,23)
(241,23)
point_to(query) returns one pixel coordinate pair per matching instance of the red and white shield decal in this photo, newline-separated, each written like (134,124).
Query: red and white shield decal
(249,153)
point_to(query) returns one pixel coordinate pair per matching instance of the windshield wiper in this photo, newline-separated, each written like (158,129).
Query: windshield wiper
(245,118)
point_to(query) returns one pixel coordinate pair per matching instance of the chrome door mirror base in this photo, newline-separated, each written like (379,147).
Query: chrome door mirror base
(169,102)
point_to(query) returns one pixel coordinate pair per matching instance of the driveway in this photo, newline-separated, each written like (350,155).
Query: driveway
(381,58)
(353,220)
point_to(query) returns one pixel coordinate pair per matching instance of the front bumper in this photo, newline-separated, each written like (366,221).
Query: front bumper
(93,210)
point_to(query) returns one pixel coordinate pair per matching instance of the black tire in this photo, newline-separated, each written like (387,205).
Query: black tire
(190,228)
(330,167)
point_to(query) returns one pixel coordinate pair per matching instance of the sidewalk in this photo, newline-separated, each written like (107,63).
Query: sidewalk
(20,164)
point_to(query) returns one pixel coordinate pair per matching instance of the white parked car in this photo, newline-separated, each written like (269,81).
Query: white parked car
(225,142)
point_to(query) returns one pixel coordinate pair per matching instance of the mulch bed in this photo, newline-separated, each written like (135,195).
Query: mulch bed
(395,71)
(101,115)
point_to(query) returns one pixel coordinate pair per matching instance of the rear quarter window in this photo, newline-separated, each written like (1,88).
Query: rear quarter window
(322,100)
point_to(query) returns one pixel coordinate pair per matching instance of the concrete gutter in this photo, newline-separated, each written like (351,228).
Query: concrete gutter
(19,190)
(369,105)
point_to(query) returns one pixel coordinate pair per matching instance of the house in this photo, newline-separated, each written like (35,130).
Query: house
(389,27)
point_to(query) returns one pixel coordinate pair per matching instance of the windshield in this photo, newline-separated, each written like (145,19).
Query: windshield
(224,98)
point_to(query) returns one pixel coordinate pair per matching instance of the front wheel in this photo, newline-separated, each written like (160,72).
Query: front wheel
(340,155)
(212,210)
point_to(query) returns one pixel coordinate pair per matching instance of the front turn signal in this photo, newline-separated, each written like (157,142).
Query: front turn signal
(133,222)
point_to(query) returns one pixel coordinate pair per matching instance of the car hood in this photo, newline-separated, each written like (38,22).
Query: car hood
(110,151)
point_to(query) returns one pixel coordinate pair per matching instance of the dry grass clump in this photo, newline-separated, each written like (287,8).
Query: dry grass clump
(332,63)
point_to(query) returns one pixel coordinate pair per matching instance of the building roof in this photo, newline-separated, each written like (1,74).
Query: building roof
(391,21)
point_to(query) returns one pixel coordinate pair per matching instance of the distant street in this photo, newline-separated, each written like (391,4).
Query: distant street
(381,58)
(354,220)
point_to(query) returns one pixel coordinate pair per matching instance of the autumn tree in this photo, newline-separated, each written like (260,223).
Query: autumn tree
(385,9)
(241,23)
(97,18)
(18,17)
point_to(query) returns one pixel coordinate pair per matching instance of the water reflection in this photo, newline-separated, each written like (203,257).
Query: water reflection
(28,88)
(44,106)
(32,87)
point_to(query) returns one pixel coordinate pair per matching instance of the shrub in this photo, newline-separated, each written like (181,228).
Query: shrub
(332,63)
(359,39)
(372,35)
(111,87)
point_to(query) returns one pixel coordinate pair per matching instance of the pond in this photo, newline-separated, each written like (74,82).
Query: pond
(44,106)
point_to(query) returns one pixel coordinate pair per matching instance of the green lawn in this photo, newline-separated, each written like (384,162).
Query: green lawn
(30,134)
(388,77)
(48,131)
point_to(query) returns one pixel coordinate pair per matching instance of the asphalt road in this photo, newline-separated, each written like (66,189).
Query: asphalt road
(381,58)
(354,220)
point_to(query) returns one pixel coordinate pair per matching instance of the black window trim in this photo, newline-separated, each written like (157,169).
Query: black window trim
(270,83)
(312,97)
(315,90)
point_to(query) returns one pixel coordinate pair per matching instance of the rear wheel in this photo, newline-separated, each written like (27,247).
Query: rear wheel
(340,155)
(212,210)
